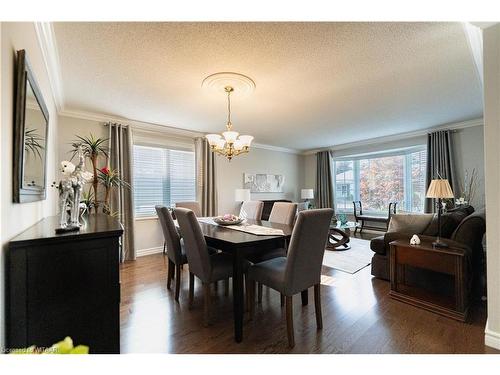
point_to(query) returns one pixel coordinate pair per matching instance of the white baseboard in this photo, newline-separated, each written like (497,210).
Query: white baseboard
(151,250)
(491,338)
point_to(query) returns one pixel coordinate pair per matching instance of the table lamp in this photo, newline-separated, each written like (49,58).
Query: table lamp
(307,194)
(242,195)
(439,189)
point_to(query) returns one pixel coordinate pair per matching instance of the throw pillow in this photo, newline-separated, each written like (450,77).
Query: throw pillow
(409,223)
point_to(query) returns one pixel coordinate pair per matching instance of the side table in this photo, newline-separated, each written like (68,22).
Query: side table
(451,261)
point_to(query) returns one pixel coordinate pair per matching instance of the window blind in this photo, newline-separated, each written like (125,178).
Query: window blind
(162,176)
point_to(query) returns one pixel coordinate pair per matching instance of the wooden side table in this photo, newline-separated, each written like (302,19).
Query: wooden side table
(451,261)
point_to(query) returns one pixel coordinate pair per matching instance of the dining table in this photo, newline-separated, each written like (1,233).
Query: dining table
(241,244)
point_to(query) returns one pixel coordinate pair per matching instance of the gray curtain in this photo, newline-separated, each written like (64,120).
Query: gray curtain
(324,180)
(206,192)
(439,161)
(121,158)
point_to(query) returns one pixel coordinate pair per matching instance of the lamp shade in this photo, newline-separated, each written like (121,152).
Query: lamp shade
(440,188)
(307,193)
(242,195)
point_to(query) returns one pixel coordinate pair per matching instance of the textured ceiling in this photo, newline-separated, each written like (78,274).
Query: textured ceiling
(318,84)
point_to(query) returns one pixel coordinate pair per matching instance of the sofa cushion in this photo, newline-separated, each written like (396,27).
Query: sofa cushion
(377,245)
(449,222)
(412,223)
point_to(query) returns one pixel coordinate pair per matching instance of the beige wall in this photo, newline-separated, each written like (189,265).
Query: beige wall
(230,176)
(491,48)
(17,217)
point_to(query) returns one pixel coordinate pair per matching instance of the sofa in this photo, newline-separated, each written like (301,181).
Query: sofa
(462,226)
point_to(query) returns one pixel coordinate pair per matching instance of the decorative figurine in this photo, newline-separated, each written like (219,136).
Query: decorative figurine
(70,191)
(415,240)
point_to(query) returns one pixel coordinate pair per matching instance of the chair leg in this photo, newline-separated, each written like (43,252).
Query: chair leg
(226,287)
(177,281)
(170,273)
(251,297)
(191,289)
(164,247)
(304,295)
(206,304)
(317,305)
(282,300)
(259,292)
(289,321)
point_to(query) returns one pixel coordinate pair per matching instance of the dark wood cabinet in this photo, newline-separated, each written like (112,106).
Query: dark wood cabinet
(62,285)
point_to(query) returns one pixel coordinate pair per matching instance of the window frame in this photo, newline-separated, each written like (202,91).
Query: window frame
(356,158)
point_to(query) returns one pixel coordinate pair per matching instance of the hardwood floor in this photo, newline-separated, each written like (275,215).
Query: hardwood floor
(358,317)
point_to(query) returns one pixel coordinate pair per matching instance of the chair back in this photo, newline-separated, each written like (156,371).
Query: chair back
(194,244)
(306,250)
(193,206)
(170,234)
(283,213)
(252,210)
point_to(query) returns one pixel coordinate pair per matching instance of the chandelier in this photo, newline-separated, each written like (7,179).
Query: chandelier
(230,143)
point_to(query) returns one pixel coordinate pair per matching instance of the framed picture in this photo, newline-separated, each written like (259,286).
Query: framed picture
(263,183)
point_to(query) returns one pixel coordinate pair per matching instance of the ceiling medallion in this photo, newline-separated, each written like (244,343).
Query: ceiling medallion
(229,143)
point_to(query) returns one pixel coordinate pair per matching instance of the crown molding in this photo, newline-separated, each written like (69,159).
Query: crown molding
(136,124)
(400,136)
(48,45)
(276,148)
(154,127)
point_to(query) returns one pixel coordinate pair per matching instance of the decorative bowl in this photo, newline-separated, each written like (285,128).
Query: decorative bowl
(228,220)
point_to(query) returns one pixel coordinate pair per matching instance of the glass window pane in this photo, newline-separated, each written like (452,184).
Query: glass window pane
(344,185)
(377,181)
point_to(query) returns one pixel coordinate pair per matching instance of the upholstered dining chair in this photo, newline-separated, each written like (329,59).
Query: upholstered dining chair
(209,268)
(301,269)
(193,206)
(175,249)
(281,213)
(251,210)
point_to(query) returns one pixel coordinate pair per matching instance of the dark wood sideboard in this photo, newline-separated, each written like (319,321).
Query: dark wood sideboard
(60,285)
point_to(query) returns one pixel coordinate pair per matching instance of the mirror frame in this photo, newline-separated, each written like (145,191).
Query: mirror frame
(24,74)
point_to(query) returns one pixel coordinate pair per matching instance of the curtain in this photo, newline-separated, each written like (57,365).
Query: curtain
(206,192)
(439,161)
(324,180)
(121,158)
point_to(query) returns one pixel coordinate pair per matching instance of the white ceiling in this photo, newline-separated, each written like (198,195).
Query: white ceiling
(318,84)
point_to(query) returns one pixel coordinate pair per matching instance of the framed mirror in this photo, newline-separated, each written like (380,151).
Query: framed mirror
(31,125)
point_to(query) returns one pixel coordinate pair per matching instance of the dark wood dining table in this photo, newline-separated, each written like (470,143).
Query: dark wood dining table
(241,244)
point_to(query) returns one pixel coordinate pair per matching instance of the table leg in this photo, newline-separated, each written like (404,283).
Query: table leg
(238,294)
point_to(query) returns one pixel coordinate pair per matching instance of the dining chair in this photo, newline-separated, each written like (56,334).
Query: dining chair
(193,206)
(209,268)
(251,210)
(281,213)
(175,249)
(301,269)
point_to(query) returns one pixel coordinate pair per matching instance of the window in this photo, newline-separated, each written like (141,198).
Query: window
(376,180)
(162,176)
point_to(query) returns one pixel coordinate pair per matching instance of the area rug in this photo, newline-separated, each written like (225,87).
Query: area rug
(351,261)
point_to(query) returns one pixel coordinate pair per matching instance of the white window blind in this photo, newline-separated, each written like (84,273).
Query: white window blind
(162,176)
